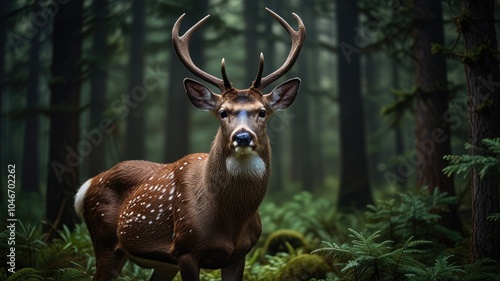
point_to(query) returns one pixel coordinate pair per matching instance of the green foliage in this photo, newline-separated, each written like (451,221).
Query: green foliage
(403,103)
(29,241)
(282,240)
(415,214)
(264,267)
(447,52)
(132,272)
(462,164)
(442,270)
(267,270)
(23,274)
(38,260)
(484,270)
(315,218)
(368,259)
(494,217)
(304,267)
(360,257)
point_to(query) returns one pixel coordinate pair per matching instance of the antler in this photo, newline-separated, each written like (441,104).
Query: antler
(181,46)
(297,41)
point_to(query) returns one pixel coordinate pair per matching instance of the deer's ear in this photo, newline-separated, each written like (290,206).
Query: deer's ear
(284,94)
(199,95)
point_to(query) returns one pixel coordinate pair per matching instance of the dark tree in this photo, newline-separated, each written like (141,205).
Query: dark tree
(64,152)
(399,145)
(134,139)
(477,26)
(98,78)
(354,180)
(251,16)
(433,137)
(303,136)
(177,121)
(370,77)
(315,99)
(4,8)
(274,128)
(30,173)
(178,106)
(398,132)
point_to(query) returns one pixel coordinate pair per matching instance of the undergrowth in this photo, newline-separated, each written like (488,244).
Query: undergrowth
(396,239)
(415,213)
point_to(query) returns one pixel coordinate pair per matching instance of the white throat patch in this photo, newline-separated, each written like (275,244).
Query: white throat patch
(246,165)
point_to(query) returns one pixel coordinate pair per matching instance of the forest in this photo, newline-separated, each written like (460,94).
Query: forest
(386,166)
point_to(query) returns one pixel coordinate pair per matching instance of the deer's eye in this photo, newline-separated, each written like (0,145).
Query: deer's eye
(262,113)
(222,114)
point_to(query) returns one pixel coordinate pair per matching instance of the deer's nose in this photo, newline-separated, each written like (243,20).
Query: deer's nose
(242,138)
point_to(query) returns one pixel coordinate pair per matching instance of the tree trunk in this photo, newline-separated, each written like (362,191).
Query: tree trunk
(30,172)
(251,15)
(433,137)
(4,8)
(98,78)
(304,111)
(375,146)
(135,146)
(177,138)
(477,25)
(399,146)
(275,126)
(354,180)
(313,80)
(64,149)
(398,134)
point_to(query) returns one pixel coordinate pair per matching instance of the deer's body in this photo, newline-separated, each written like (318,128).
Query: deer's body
(200,211)
(158,196)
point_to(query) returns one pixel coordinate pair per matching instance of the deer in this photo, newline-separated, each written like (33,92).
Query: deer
(202,210)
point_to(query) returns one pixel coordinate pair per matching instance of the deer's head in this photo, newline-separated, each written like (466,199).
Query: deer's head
(242,113)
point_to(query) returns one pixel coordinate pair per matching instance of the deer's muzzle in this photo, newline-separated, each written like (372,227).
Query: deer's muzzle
(243,141)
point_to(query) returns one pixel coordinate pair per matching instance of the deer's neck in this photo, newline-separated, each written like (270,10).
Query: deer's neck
(237,183)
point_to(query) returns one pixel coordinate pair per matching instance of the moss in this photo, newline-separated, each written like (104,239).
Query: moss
(281,240)
(304,267)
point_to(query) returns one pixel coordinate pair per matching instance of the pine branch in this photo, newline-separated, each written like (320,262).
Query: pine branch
(462,165)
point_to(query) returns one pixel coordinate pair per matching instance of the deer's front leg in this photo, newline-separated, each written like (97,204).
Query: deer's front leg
(189,268)
(234,272)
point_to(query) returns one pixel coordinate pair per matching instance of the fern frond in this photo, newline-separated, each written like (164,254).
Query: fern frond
(368,259)
(494,217)
(361,240)
(332,250)
(410,245)
(350,265)
(483,269)
(442,270)
(414,216)
(483,163)
(493,145)
(24,274)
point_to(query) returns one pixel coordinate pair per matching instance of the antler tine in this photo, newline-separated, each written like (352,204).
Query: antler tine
(227,84)
(181,46)
(256,82)
(297,41)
